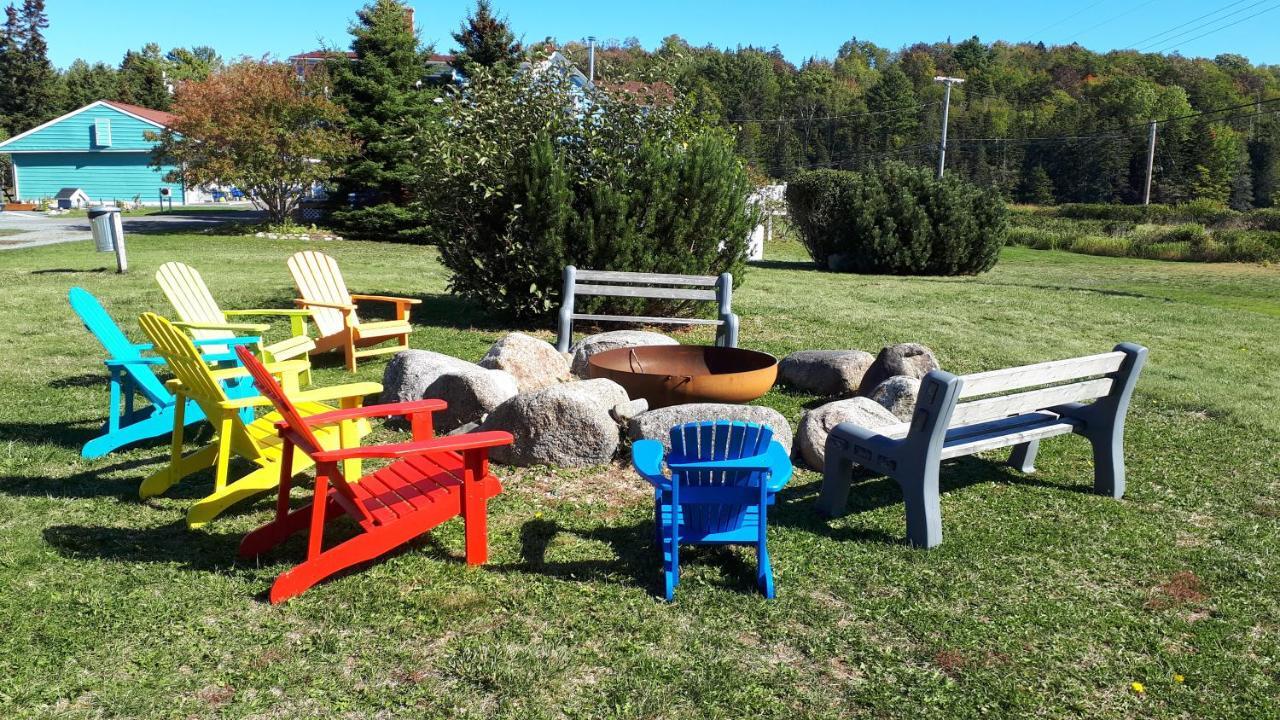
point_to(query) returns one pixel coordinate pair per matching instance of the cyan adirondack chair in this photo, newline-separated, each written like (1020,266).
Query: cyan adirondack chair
(132,374)
(724,476)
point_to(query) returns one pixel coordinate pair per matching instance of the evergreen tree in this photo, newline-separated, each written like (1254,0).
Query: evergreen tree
(143,79)
(387,109)
(486,39)
(84,83)
(182,64)
(893,92)
(29,87)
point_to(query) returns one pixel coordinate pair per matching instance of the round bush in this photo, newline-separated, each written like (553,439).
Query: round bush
(896,219)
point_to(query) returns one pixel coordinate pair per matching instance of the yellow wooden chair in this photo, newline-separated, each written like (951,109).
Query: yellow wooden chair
(333,309)
(200,314)
(256,441)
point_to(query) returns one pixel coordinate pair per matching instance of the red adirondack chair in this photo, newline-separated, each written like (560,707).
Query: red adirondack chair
(431,481)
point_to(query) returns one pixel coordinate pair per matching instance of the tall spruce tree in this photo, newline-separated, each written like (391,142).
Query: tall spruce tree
(84,83)
(486,39)
(29,88)
(388,107)
(143,79)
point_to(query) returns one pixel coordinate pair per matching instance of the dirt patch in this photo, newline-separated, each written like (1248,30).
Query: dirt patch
(1183,588)
(216,695)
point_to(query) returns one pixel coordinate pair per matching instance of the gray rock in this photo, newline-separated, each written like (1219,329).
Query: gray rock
(534,363)
(897,395)
(623,412)
(410,372)
(471,393)
(657,424)
(825,372)
(598,343)
(910,359)
(566,425)
(816,424)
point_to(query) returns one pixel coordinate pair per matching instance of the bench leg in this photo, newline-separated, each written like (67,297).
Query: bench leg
(1023,456)
(837,471)
(924,509)
(1108,465)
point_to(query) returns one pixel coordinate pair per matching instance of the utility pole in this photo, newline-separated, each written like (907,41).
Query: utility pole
(1151,161)
(946,110)
(591,59)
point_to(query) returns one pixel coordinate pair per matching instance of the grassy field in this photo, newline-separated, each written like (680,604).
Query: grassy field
(1043,601)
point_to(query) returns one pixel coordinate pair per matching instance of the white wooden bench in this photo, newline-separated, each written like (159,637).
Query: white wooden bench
(648,285)
(944,428)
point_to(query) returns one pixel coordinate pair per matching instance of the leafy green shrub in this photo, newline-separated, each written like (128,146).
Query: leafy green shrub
(386,221)
(1264,219)
(896,219)
(1166,251)
(534,176)
(1250,245)
(1201,211)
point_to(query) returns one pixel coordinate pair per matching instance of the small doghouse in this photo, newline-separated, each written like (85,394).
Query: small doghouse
(71,199)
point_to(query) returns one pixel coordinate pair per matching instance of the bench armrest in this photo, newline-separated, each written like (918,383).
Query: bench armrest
(450,443)
(863,446)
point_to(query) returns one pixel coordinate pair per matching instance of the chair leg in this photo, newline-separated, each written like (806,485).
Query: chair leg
(671,562)
(165,477)
(924,508)
(837,474)
(359,549)
(764,570)
(209,507)
(1023,456)
(349,354)
(153,426)
(277,531)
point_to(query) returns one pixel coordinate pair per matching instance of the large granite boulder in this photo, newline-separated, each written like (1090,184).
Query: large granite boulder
(825,372)
(657,424)
(410,372)
(598,343)
(471,393)
(534,363)
(909,359)
(816,424)
(566,425)
(897,395)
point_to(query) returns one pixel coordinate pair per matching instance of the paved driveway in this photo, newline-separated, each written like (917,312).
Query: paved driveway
(36,229)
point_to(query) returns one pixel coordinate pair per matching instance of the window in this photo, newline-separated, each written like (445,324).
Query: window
(102,132)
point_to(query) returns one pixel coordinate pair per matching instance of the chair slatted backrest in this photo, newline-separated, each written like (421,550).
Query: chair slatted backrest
(192,300)
(113,340)
(1004,393)
(298,432)
(724,507)
(198,382)
(319,280)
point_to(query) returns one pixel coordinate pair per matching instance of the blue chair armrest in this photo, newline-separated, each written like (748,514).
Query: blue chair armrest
(238,340)
(646,458)
(779,465)
(134,361)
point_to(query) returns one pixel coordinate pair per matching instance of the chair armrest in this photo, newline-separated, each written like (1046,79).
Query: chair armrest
(337,392)
(238,340)
(450,443)
(283,312)
(316,303)
(388,410)
(134,361)
(646,458)
(755,462)
(387,298)
(242,327)
(144,347)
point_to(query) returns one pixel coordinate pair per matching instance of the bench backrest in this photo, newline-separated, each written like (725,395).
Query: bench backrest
(1104,378)
(648,285)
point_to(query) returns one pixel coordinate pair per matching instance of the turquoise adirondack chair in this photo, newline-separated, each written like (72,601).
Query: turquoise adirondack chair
(132,374)
(724,476)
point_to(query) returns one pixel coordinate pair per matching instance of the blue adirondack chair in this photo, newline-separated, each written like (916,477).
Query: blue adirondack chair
(724,476)
(132,374)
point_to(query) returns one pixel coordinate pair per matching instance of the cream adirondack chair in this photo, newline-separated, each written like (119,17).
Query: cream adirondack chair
(200,314)
(256,441)
(333,309)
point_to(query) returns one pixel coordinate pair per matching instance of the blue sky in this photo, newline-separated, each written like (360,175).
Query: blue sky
(801,28)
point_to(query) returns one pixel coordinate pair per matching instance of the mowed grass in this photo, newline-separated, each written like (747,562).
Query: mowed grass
(1044,600)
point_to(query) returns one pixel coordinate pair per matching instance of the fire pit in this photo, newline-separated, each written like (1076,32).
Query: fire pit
(675,374)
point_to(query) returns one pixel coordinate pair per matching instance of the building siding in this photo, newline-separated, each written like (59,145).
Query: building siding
(75,133)
(103,176)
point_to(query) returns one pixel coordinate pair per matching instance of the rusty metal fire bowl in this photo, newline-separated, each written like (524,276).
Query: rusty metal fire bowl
(676,374)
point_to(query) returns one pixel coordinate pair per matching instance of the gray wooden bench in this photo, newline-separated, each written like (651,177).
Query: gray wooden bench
(943,428)
(648,285)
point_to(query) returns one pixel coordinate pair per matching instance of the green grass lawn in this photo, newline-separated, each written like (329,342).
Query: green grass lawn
(1044,600)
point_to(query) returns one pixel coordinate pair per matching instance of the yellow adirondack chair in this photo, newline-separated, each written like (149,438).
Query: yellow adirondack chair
(333,309)
(200,314)
(256,441)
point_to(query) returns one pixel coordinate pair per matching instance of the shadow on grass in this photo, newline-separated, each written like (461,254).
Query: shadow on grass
(69,271)
(72,435)
(79,381)
(785,265)
(201,551)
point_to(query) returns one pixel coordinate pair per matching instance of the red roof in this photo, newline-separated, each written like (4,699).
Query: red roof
(322,55)
(156,116)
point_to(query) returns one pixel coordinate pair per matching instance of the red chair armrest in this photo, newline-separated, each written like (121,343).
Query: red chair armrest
(387,410)
(451,443)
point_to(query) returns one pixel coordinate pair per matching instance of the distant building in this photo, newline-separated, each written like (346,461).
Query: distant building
(99,149)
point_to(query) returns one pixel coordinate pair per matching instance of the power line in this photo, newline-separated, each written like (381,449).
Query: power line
(834,117)
(1204,25)
(1192,20)
(1055,24)
(1131,10)
(1218,29)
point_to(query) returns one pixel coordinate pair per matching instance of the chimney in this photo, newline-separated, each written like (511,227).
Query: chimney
(408,16)
(591,58)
